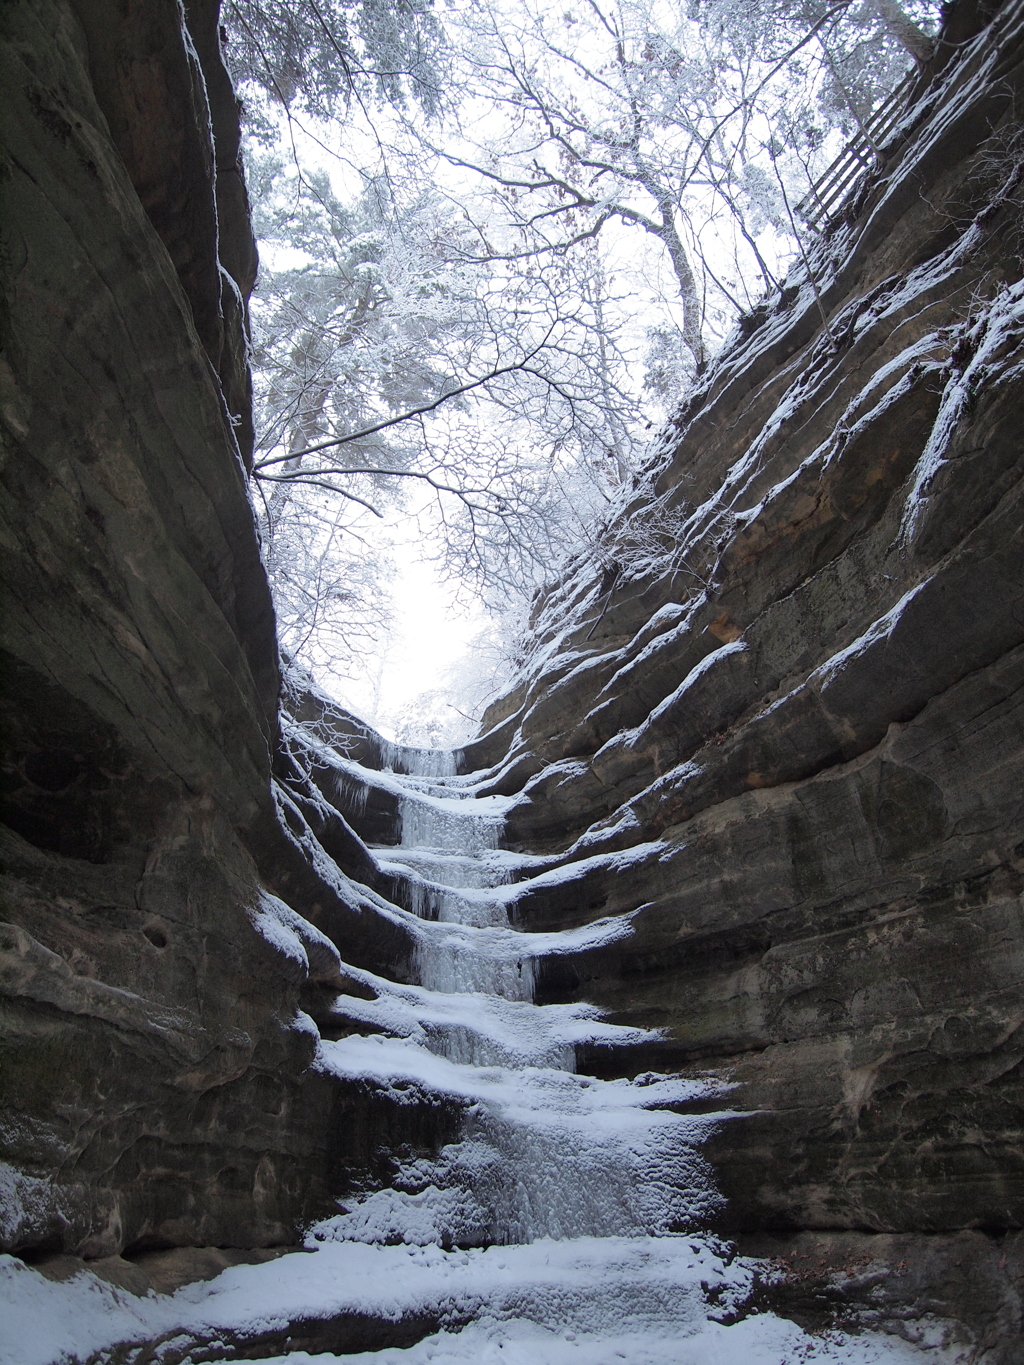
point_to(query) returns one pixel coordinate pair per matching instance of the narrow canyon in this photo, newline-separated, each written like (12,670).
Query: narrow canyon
(700,970)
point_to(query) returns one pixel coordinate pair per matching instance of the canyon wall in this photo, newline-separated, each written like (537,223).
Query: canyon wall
(156,1070)
(788,747)
(793,751)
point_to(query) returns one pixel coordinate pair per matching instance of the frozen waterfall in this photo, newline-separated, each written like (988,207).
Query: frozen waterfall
(546,1153)
(565,1226)
(585,1197)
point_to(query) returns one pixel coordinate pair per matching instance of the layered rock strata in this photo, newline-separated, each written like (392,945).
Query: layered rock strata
(156,1068)
(776,722)
(788,739)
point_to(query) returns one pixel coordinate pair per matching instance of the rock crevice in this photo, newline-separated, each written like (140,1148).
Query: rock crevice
(787,754)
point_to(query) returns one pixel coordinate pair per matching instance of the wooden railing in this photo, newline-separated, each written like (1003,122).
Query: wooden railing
(858,155)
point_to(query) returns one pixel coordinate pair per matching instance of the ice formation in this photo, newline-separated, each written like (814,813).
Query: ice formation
(566,1226)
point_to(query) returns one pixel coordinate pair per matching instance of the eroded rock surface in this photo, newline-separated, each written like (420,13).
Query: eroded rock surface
(809,735)
(790,750)
(158,1087)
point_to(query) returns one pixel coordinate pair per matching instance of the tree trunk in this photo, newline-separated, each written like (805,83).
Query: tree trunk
(904,30)
(687,283)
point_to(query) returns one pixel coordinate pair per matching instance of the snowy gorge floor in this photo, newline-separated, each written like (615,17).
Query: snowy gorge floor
(582,1199)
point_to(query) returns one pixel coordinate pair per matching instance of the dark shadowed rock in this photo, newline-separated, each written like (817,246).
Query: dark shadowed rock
(158,1086)
(793,759)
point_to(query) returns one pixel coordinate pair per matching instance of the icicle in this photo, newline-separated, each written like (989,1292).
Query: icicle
(401,758)
(493,962)
(426,824)
(464,872)
(352,794)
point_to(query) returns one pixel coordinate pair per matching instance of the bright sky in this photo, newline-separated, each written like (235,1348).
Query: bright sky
(429,636)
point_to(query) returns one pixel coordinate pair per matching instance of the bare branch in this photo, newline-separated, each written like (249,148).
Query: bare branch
(412,413)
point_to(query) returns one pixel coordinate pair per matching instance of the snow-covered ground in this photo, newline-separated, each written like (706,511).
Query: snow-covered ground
(583,1301)
(563,1228)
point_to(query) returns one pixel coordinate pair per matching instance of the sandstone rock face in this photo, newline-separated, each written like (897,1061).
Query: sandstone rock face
(795,752)
(156,1068)
(790,749)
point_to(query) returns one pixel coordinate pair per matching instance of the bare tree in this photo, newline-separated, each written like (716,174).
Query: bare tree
(602,114)
(330,54)
(460,329)
(388,365)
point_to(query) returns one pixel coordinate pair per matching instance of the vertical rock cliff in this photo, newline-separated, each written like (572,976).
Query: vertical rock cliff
(784,755)
(793,753)
(157,1087)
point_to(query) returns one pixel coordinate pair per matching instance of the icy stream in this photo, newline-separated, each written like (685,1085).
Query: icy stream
(545,1153)
(577,1202)
(563,1228)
